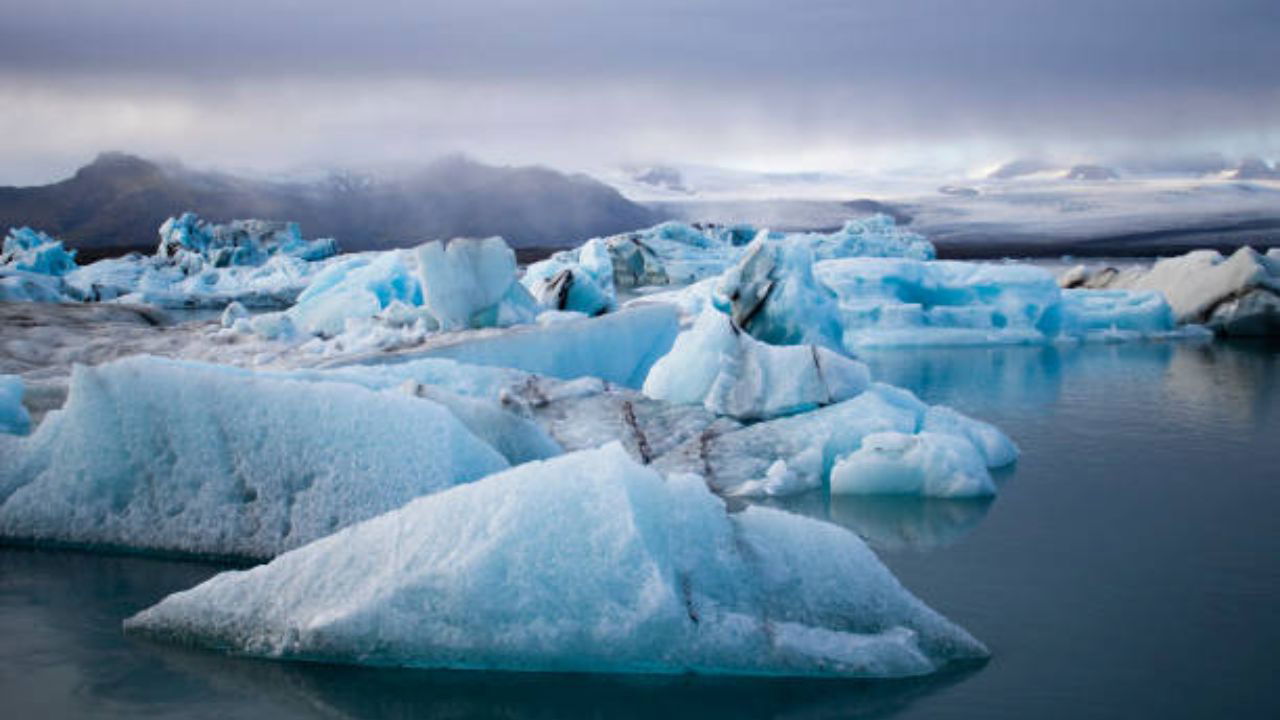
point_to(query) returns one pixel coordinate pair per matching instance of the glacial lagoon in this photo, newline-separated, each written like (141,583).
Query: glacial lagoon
(1130,566)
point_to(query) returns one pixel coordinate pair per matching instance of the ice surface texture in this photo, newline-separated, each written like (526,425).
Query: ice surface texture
(1239,295)
(796,453)
(192,243)
(1236,295)
(927,464)
(619,347)
(588,562)
(580,280)
(730,373)
(14,418)
(32,251)
(890,302)
(167,456)
(472,283)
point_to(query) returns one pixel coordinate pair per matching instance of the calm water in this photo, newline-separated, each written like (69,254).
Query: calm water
(1129,568)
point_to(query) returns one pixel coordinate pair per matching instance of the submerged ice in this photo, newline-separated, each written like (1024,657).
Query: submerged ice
(588,562)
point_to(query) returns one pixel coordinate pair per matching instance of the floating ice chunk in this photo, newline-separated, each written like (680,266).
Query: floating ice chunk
(587,563)
(618,347)
(232,314)
(14,419)
(875,236)
(996,447)
(1118,313)
(580,280)
(808,443)
(928,463)
(472,283)
(159,455)
(778,480)
(35,252)
(773,294)
(191,243)
(1235,295)
(353,289)
(891,302)
(731,373)
(22,286)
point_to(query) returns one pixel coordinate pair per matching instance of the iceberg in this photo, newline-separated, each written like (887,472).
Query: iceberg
(359,287)
(875,236)
(14,418)
(772,293)
(472,283)
(894,302)
(165,456)
(32,251)
(1236,295)
(996,448)
(578,280)
(677,253)
(792,454)
(925,464)
(192,243)
(24,286)
(730,373)
(585,563)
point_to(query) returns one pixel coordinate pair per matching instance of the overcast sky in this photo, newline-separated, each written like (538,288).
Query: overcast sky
(287,86)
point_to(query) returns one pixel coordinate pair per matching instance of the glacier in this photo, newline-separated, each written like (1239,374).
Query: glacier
(168,456)
(587,563)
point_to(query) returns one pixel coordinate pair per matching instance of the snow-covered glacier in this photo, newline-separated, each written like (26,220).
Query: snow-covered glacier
(589,562)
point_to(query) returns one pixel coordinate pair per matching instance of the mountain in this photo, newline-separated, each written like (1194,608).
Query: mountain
(118,202)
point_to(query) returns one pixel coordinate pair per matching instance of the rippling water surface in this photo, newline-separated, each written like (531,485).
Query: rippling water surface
(1129,568)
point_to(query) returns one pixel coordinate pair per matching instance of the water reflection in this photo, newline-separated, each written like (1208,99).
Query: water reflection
(360,692)
(908,523)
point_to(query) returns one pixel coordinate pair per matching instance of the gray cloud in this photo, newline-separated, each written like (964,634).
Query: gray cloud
(585,84)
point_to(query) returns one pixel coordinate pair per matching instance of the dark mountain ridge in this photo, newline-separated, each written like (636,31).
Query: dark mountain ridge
(118,201)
